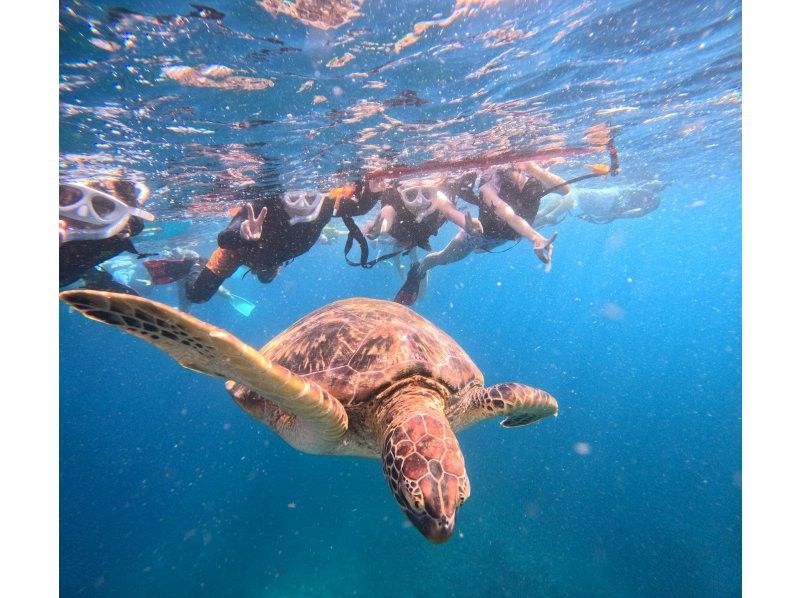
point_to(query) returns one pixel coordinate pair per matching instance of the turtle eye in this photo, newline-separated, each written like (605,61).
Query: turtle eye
(463,491)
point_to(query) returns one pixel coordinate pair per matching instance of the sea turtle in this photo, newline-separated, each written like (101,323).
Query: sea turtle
(358,377)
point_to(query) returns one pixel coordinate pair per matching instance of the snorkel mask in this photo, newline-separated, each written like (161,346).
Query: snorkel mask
(303,205)
(418,197)
(91,215)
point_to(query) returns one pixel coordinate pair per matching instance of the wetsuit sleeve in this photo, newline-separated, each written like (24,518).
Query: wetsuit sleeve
(391,197)
(230,238)
(204,280)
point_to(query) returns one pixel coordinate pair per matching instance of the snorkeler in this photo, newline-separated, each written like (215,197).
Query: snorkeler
(173,265)
(97,221)
(601,206)
(508,201)
(414,211)
(286,226)
(99,279)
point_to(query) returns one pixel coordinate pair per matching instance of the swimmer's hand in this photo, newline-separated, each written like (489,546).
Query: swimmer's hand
(372,230)
(547,164)
(472,225)
(250,230)
(544,250)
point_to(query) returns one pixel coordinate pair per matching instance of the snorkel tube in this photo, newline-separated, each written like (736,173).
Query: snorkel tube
(508,157)
(433,166)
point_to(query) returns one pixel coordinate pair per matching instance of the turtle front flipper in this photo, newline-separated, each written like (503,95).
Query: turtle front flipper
(321,421)
(521,404)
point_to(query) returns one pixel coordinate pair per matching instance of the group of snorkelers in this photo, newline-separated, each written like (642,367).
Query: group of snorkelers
(98,220)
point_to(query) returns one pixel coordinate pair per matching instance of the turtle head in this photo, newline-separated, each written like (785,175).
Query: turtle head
(425,470)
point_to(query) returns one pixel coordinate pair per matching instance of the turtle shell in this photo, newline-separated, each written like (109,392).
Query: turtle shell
(355,347)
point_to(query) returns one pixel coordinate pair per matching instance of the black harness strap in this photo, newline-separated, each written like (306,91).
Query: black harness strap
(355,234)
(504,250)
(594,220)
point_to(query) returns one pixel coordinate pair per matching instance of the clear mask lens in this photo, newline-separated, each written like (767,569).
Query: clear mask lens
(68,195)
(103,206)
(418,196)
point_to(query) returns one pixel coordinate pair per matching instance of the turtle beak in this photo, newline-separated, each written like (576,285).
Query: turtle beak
(437,531)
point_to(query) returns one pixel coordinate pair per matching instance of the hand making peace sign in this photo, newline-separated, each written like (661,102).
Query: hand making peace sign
(250,229)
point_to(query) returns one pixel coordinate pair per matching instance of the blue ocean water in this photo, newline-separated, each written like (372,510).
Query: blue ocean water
(168,489)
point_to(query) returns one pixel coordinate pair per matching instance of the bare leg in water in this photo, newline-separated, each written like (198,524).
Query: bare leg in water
(456,250)
(397,261)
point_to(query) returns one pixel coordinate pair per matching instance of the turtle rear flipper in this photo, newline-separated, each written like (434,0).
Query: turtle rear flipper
(521,404)
(210,350)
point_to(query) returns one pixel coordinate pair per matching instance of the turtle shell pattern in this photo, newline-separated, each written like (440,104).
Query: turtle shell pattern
(355,347)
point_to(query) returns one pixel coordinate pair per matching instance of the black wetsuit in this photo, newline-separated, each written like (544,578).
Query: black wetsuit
(281,242)
(405,229)
(524,202)
(75,258)
(98,279)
